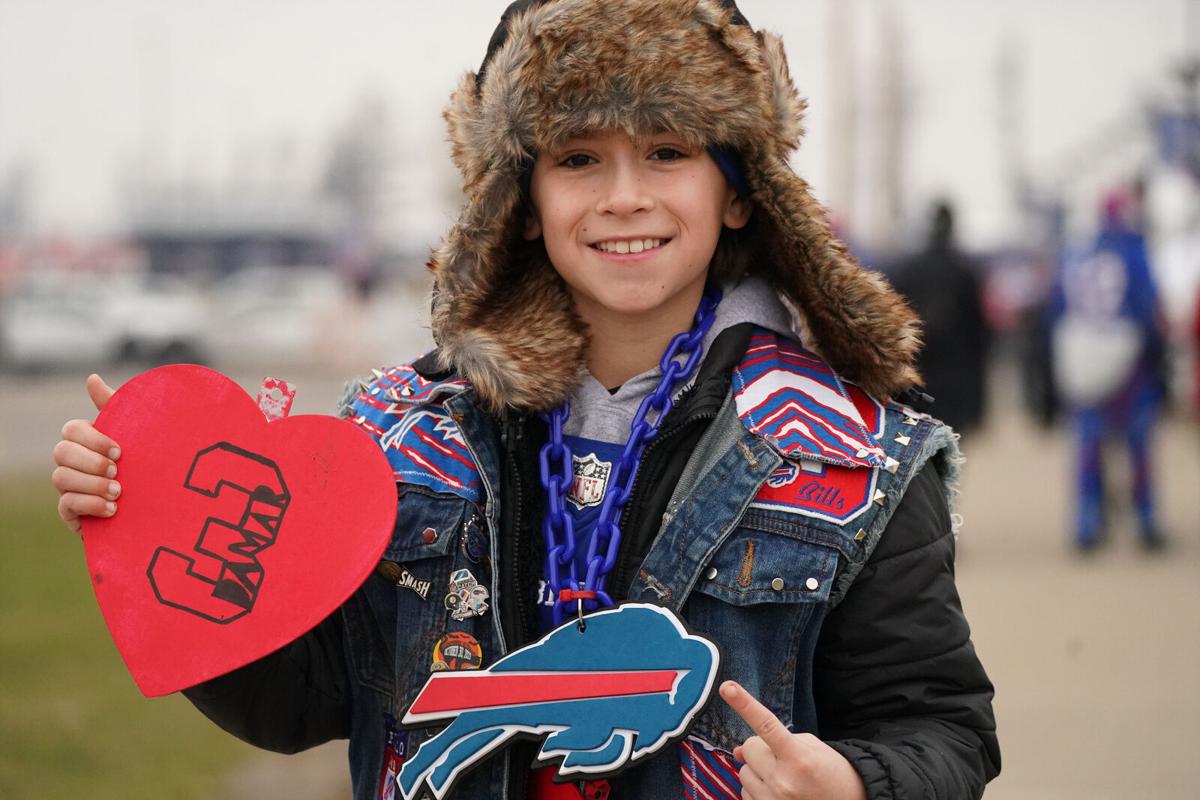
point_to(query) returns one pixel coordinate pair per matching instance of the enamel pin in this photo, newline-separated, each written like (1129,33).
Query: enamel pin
(467,597)
(456,650)
(603,699)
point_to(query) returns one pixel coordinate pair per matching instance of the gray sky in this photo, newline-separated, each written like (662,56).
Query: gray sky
(251,89)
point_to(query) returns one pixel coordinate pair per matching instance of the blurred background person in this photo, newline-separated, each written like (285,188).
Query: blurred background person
(1109,357)
(1196,356)
(941,283)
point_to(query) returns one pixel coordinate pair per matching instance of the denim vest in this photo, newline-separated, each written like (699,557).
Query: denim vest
(777,511)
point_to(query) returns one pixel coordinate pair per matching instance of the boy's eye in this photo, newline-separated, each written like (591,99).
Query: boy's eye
(667,154)
(576,160)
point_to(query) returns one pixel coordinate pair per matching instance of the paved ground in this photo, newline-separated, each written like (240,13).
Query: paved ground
(1094,659)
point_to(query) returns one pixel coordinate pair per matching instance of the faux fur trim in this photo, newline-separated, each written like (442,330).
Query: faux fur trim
(503,318)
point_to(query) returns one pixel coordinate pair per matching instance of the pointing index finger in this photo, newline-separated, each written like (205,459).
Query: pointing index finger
(760,718)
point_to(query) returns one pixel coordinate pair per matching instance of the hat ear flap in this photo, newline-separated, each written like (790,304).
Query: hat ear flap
(527,349)
(462,117)
(786,103)
(502,316)
(858,322)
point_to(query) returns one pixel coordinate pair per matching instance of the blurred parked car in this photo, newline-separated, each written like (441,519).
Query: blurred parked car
(55,319)
(279,314)
(162,319)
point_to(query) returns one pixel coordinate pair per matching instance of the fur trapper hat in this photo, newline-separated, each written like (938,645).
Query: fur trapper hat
(502,317)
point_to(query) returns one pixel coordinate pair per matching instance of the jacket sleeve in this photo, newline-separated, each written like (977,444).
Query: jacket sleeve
(899,690)
(287,701)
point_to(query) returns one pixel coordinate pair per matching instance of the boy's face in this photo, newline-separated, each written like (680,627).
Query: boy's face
(631,226)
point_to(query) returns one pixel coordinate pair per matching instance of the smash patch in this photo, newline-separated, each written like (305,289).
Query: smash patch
(825,491)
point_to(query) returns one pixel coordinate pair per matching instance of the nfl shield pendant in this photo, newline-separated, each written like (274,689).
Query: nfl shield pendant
(590,481)
(601,700)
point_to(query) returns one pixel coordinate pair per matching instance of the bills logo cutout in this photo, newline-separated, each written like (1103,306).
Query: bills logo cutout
(601,699)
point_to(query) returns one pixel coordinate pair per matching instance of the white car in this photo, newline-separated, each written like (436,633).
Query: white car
(60,319)
(274,314)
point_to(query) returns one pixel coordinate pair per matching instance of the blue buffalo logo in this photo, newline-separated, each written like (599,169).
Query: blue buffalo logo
(603,698)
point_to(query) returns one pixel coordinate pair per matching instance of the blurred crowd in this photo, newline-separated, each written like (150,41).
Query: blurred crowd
(1094,348)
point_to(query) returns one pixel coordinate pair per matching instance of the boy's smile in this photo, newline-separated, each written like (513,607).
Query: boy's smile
(631,246)
(631,226)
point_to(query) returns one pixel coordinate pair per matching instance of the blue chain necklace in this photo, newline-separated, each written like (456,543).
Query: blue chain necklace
(678,363)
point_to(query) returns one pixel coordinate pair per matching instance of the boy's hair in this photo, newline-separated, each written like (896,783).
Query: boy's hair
(502,316)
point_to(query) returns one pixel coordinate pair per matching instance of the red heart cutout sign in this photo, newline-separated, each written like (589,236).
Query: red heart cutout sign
(233,535)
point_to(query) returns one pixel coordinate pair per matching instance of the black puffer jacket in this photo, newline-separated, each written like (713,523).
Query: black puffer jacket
(900,692)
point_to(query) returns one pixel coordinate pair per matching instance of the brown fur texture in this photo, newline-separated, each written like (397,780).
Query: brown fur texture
(503,318)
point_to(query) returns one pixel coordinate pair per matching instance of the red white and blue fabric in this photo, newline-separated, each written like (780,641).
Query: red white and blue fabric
(869,409)
(708,773)
(403,384)
(790,396)
(424,445)
(828,430)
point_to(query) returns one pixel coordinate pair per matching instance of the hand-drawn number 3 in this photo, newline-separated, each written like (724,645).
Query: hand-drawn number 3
(220,579)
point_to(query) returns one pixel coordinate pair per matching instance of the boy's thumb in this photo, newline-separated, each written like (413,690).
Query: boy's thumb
(98,390)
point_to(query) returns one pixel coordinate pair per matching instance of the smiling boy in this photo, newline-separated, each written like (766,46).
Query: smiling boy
(631,227)
(659,379)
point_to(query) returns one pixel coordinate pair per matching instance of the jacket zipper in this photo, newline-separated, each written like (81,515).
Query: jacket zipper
(512,439)
(518,523)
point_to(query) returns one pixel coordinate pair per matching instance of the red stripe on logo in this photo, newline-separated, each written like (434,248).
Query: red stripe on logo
(451,694)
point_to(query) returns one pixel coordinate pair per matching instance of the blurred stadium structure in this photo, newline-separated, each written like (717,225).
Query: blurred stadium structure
(365,198)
